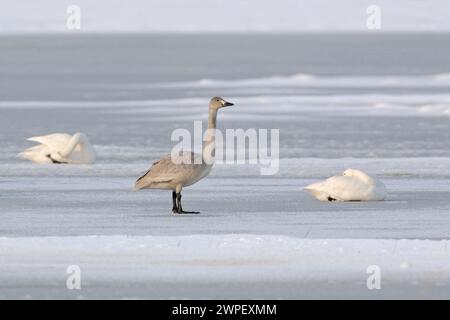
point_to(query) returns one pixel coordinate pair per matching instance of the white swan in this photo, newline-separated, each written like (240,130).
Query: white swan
(60,148)
(187,168)
(352,185)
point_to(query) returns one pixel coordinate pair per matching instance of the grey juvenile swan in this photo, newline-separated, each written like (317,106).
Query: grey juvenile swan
(174,175)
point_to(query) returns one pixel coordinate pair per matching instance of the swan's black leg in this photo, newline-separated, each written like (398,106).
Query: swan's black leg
(174,201)
(180,208)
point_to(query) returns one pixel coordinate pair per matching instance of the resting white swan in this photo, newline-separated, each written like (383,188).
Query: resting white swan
(352,185)
(60,148)
(187,168)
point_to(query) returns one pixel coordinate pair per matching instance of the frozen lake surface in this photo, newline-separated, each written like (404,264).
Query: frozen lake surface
(377,107)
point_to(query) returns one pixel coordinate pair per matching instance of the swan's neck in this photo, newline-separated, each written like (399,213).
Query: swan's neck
(77,139)
(209,144)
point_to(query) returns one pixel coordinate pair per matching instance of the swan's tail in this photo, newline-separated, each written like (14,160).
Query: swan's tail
(21,155)
(136,187)
(35,154)
(139,184)
(312,187)
(316,191)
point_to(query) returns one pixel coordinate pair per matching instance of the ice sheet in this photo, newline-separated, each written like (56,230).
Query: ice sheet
(256,236)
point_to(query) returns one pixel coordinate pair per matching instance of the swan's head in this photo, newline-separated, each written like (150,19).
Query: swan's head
(218,102)
(353,173)
(357,173)
(81,138)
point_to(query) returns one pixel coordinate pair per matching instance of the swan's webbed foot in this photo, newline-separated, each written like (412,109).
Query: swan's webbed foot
(181,211)
(188,212)
(177,208)
(331,199)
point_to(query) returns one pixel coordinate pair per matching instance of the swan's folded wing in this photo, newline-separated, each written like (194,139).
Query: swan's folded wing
(160,171)
(341,188)
(350,189)
(165,170)
(56,141)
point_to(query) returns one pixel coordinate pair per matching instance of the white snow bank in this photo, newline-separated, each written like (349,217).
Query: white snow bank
(267,106)
(224,16)
(117,261)
(314,81)
(280,98)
